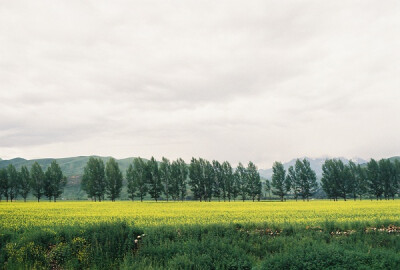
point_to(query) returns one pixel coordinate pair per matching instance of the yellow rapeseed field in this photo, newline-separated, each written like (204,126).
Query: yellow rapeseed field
(18,215)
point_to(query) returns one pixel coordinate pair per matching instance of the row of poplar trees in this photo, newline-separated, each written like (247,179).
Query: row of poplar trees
(379,179)
(170,180)
(300,179)
(48,184)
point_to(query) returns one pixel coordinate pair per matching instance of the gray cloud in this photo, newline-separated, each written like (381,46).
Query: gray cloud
(228,80)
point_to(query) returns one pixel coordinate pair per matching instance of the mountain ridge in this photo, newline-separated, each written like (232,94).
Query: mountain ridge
(73,166)
(316,165)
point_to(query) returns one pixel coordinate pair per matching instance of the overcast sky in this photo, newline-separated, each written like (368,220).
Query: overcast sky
(227,80)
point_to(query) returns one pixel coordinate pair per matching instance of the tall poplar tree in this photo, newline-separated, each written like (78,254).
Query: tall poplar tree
(140,175)
(375,186)
(56,180)
(208,179)
(361,181)
(130,179)
(154,180)
(94,180)
(195,178)
(353,183)
(3,183)
(37,181)
(241,176)
(254,181)
(165,176)
(387,178)
(218,179)
(397,175)
(24,182)
(280,182)
(13,180)
(113,179)
(292,177)
(337,179)
(228,179)
(306,179)
(180,175)
(236,185)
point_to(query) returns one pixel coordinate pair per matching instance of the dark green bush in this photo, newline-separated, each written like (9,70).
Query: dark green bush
(102,246)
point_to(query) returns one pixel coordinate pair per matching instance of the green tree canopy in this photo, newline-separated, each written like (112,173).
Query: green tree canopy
(254,181)
(37,181)
(55,180)
(4,185)
(154,179)
(113,179)
(140,175)
(13,182)
(94,180)
(280,182)
(24,182)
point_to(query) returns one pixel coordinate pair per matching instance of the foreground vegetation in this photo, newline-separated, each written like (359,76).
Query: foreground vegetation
(194,235)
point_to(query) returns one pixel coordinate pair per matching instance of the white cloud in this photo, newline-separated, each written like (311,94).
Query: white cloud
(227,80)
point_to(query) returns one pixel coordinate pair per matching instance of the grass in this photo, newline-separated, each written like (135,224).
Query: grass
(193,235)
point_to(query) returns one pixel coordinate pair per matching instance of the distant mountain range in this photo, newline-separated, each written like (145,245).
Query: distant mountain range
(71,166)
(316,165)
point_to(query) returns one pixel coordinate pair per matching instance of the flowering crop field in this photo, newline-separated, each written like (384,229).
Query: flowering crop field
(19,215)
(317,234)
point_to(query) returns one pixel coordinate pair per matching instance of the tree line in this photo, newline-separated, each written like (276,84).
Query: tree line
(379,179)
(50,183)
(300,179)
(206,180)
(171,180)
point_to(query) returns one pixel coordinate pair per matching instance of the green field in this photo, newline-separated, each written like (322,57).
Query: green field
(194,235)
